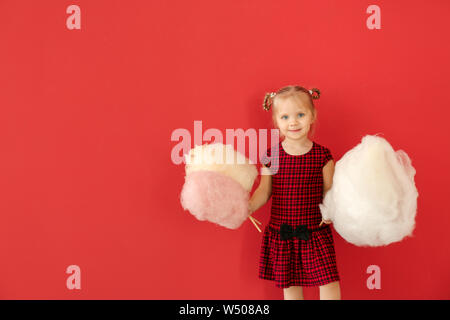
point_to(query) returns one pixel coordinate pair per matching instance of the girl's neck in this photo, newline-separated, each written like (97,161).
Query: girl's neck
(297,144)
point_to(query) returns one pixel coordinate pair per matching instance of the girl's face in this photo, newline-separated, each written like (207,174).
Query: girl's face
(294,118)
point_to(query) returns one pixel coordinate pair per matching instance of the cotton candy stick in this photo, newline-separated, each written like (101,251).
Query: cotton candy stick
(253,220)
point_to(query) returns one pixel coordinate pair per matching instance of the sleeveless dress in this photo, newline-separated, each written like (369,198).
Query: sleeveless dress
(297,191)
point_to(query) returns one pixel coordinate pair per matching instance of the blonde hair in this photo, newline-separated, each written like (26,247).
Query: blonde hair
(288,92)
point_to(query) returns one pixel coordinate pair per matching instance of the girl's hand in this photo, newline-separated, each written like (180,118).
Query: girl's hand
(325,221)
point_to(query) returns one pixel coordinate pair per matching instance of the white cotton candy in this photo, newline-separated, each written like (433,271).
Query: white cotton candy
(373,199)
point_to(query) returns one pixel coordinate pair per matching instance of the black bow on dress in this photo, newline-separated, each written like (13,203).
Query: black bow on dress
(287,232)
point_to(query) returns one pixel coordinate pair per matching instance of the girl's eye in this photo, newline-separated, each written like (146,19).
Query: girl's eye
(301,114)
(284,117)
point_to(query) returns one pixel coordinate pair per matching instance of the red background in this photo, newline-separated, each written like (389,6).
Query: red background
(86,119)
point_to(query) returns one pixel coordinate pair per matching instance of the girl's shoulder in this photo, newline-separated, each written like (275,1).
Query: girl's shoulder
(270,155)
(324,153)
(321,148)
(273,150)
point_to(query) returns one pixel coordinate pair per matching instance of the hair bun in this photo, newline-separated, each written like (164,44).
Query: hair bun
(268,100)
(315,90)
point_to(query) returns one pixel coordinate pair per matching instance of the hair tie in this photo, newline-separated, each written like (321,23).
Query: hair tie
(270,95)
(316,91)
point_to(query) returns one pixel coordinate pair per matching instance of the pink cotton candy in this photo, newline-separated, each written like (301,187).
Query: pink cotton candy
(215,197)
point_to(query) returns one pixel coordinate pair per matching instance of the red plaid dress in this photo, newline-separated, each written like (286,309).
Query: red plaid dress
(297,190)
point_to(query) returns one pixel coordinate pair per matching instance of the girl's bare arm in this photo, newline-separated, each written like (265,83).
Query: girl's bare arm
(262,193)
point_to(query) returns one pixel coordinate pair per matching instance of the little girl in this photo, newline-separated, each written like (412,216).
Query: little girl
(297,246)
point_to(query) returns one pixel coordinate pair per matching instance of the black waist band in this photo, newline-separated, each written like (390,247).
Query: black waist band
(301,232)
